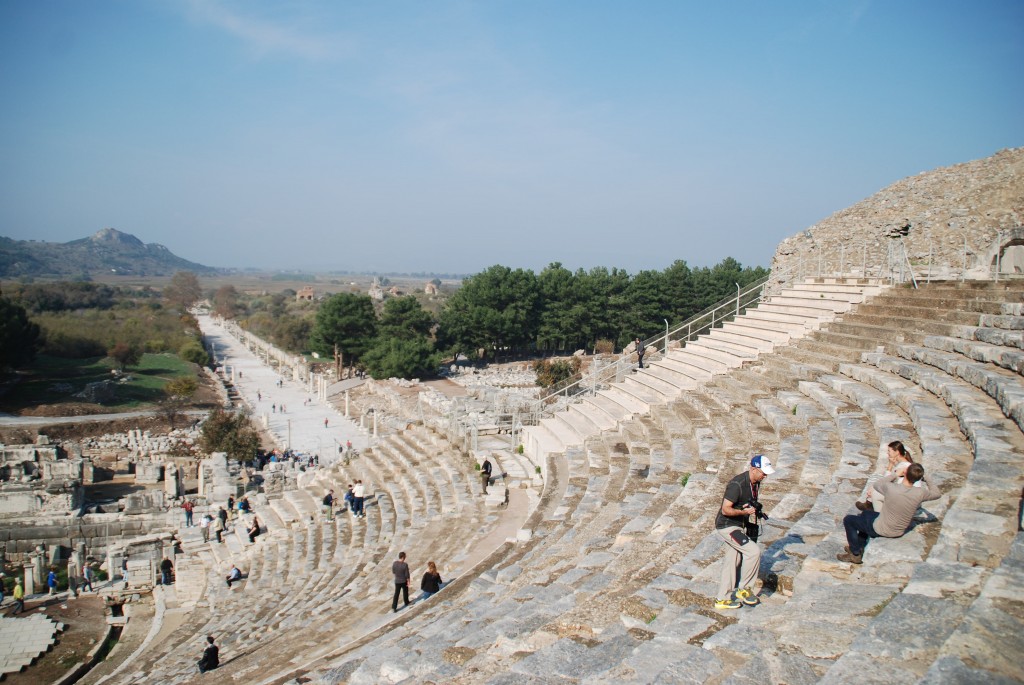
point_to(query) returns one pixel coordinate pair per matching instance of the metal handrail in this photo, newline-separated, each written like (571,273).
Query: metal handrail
(697,324)
(906,258)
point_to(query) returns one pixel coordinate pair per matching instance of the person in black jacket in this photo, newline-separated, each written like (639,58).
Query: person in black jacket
(485,474)
(431,584)
(211,656)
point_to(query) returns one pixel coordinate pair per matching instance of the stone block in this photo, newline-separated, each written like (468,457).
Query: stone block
(949,670)
(911,627)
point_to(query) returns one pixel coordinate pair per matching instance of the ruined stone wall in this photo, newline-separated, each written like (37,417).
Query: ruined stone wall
(98,531)
(933,212)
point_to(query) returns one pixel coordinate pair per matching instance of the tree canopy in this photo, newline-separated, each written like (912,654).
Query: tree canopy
(348,321)
(183,291)
(19,337)
(504,310)
(230,432)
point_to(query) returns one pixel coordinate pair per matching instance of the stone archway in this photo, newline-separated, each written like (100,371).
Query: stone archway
(1007,251)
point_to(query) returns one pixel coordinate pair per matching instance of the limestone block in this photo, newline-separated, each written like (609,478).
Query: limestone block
(147,473)
(910,627)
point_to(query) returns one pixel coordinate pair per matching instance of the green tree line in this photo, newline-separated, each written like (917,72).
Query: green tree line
(501,311)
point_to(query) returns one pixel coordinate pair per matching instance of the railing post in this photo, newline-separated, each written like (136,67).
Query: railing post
(842,258)
(963,270)
(665,352)
(999,254)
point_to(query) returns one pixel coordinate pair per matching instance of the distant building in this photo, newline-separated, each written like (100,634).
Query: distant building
(394,291)
(376,292)
(305,295)
(430,288)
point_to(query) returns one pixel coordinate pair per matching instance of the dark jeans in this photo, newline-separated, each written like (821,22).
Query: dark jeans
(404,591)
(859,530)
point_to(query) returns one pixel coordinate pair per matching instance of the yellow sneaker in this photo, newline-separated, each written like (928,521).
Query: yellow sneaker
(747,597)
(727,603)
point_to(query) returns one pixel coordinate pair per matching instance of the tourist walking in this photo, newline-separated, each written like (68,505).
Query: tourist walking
(485,474)
(400,569)
(204,527)
(88,575)
(640,350)
(211,656)
(51,581)
(903,495)
(431,583)
(350,499)
(742,554)
(218,527)
(189,507)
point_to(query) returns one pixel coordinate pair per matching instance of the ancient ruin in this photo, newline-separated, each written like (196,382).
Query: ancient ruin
(592,557)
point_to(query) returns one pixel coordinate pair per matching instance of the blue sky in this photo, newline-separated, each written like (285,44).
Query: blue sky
(449,136)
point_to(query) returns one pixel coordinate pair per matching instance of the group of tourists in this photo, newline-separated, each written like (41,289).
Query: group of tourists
(355,499)
(887,510)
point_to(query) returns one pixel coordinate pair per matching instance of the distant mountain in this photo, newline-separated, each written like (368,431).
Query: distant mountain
(108,251)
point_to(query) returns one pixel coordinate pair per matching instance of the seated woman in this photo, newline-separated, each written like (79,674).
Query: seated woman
(899,460)
(431,581)
(254,529)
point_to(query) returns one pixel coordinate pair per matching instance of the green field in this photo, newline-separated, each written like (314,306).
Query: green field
(55,380)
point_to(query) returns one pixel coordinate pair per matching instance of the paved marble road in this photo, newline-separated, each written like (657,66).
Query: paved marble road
(291,412)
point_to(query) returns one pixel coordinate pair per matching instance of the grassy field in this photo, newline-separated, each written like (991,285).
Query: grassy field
(55,380)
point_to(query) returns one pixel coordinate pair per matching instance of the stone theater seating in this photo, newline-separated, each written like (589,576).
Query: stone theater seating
(616,582)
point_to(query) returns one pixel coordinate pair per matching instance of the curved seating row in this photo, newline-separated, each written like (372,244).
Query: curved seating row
(614,585)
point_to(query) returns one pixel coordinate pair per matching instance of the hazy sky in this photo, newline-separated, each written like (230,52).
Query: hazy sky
(449,136)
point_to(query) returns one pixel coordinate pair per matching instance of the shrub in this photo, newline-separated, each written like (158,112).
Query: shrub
(557,372)
(193,351)
(604,346)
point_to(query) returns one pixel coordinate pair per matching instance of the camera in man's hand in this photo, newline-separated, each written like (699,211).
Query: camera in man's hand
(758,510)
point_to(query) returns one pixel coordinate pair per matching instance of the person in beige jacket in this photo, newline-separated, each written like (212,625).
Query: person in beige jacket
(902,498)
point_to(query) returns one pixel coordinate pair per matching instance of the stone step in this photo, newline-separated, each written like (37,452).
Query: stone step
(759,330)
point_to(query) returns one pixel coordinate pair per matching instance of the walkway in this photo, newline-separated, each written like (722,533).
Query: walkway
(300,425)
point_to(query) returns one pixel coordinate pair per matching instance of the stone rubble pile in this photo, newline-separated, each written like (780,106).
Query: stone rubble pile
(139,442)
(933,212)
(496,376)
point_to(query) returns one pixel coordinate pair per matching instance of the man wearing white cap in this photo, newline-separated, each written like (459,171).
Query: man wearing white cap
(742,555)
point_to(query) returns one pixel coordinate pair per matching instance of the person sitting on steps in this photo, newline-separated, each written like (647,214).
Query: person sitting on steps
(899,460)
(902,499)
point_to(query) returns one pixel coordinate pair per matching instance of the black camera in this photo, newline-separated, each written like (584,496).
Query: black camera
(759,511)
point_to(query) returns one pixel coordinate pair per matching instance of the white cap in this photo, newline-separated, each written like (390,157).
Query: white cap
(764,463)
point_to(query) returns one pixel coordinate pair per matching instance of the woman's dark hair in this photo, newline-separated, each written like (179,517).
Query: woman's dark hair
(898,446)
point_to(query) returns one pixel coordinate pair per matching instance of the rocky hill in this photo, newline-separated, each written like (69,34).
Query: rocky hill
(106,251)
(932,213)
